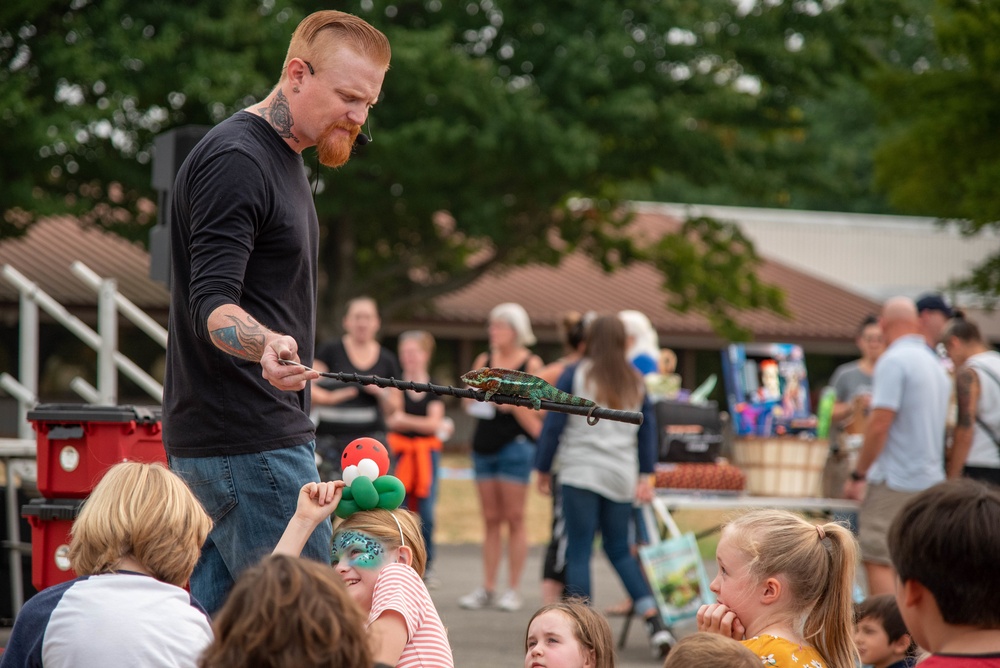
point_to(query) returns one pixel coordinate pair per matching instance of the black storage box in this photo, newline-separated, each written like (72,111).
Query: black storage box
(688,432)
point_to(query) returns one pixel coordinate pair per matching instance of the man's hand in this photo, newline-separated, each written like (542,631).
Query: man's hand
(287,377)
(854,489)
(717,618)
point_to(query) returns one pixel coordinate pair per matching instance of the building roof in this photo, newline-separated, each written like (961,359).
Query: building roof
(822,316)
(878,256)
(45,254)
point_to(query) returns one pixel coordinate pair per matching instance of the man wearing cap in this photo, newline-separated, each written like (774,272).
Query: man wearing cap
(934,313)
(903,449)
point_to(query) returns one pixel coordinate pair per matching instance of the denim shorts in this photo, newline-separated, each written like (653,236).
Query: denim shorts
(250,498)
(513,463)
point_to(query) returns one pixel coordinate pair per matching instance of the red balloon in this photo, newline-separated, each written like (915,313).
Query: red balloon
(366,448)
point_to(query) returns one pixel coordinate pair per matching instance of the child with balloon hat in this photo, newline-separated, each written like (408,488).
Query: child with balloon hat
(379,553)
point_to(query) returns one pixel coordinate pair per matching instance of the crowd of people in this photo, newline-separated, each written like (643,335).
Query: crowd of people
(254,435)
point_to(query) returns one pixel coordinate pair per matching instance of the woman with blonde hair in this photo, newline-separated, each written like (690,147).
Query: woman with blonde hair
(134,546)
(289,612)
(415,436)
(503,449)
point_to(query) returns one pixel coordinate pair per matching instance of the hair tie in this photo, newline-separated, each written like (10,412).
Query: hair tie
(819,530)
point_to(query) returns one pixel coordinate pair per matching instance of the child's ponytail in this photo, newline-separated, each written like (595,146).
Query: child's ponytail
(829,625)
(818,563)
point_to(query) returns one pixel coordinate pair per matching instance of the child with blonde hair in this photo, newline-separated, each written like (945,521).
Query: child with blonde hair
(288,612)
(380,555)
(784,589)
(708,649)
(134,546)
(568,634)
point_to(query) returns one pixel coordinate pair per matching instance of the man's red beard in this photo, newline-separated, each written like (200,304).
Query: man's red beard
(334,147)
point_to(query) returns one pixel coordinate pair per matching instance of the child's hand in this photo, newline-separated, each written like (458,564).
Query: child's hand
(717,618)
(317,501)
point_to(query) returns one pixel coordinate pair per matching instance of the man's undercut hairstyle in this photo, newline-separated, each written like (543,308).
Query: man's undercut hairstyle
(947,538)
(321,32)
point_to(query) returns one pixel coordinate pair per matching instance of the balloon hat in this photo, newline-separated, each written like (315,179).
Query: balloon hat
(365,463)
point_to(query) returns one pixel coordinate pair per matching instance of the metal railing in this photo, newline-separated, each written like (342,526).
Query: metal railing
(25,388)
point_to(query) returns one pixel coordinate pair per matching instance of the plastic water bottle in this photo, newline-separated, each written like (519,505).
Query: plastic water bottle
(824,412)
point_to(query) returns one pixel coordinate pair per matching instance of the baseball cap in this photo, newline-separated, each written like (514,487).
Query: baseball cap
(932,302)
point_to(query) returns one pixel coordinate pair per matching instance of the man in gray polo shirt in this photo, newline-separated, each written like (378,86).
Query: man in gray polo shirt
(903,450)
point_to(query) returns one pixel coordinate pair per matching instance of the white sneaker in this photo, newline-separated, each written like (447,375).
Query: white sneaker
(477,600)
(509,601)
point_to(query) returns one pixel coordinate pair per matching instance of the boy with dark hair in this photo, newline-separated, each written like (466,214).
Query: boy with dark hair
(944,546)
(881,635)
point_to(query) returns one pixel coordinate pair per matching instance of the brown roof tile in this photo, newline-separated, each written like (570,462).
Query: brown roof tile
(45,254)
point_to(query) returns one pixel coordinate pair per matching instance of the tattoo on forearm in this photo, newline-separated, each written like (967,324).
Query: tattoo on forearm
(244,339)
(964,380)
(279,115)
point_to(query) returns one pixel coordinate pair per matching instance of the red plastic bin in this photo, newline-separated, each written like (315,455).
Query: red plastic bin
(51,521)
(78,443)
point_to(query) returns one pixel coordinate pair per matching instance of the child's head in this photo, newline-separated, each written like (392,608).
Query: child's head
(568,634)
(710,649)
(880,633)
(368,540)
(945,541)
(776,567)
(288,612)
(144,512)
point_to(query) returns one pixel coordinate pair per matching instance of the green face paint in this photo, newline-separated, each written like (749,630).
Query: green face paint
(358,550)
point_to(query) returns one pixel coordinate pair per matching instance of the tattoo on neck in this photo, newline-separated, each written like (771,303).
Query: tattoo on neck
(279,115)
(244,339)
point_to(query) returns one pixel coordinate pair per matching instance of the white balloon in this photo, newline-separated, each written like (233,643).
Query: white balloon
(350,473)
(368,467)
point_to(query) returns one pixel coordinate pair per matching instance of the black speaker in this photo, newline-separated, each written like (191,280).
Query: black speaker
(169,151)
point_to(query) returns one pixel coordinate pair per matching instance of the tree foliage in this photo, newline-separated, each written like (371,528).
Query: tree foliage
(941,154)
(499,117)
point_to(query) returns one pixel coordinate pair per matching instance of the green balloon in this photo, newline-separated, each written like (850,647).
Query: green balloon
(348,495)
(364,492)
(390,491)
(346,508)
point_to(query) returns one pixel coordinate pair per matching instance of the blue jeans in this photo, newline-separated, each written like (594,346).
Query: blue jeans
(250,498)
(425,507)
(585,512)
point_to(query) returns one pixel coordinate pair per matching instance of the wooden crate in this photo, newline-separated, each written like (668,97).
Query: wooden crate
(782,466)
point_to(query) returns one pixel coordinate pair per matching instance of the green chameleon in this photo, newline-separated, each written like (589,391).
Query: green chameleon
(495,380)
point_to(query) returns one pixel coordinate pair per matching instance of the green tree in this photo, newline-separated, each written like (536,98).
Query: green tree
(941,152)
(508,133)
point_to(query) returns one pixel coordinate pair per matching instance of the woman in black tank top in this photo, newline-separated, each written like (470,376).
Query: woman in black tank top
(503,452)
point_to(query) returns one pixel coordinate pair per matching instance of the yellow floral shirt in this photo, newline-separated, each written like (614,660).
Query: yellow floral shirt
(775,651)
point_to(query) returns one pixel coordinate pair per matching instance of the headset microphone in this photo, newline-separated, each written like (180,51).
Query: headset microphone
(362,139)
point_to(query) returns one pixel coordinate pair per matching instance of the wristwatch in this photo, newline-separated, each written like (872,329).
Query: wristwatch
(857,477)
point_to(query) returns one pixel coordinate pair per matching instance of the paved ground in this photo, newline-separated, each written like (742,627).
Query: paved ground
(491,638)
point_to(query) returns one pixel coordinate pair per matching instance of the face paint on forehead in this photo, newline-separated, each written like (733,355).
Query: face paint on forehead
(358,549)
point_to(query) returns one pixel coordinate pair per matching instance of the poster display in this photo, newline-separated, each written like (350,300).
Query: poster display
(767,389)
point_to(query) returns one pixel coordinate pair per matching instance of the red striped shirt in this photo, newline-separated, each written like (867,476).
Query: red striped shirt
(401,590)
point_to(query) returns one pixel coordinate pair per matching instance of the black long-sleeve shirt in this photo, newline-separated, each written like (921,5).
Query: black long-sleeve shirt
(243,231)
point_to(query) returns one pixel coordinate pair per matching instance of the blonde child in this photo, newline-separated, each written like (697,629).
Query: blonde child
(134,546)
(380,556)
(708,649)
(568,634)
(288,612)
(881,635)
(784,589)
